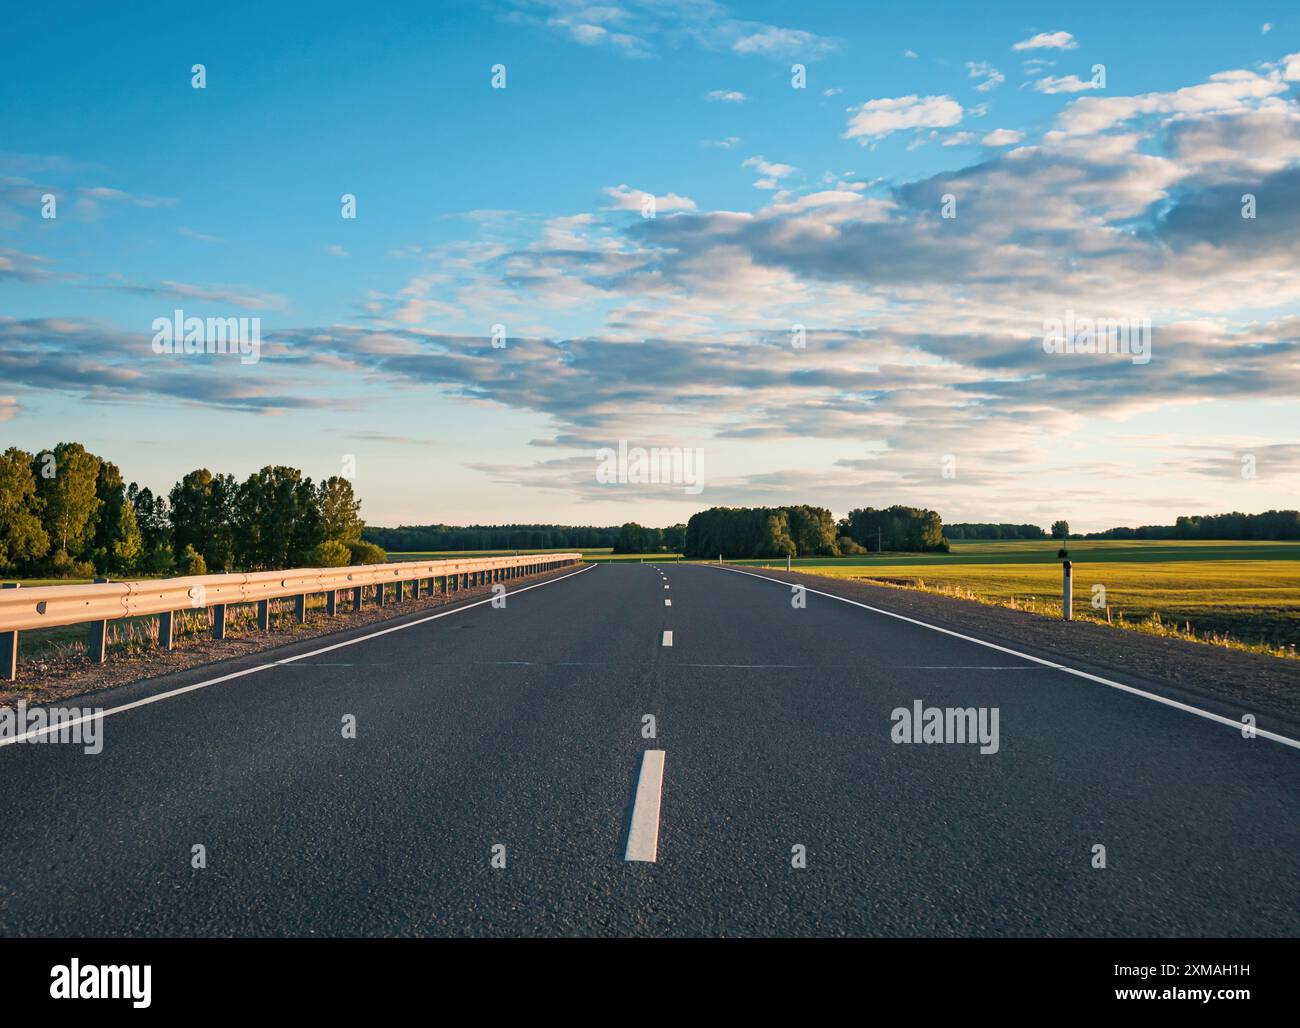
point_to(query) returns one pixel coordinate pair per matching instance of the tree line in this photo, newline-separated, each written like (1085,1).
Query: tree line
(435,538)
(66,512)
(804,531)
(634,538)
(1272,524)
(974,530)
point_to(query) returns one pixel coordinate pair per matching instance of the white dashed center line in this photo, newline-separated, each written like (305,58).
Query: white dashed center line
(668,638)
(667,602)
(643,834)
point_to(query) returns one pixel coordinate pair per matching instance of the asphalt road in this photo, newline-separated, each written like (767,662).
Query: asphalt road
(522,727)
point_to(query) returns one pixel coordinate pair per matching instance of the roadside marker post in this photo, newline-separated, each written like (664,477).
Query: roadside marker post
(1067,591)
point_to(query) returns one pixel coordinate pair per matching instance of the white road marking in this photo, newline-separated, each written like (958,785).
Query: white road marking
(643,834)
(37,732)
(1155,697)
(665,587)
(668,638)
(667,602)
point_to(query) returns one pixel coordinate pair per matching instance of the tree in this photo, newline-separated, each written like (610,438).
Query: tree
(66,489)
(278,521)
(1060,530)
(367,553)
(117,544)
(339,511)
(190,562)
(332,553)
(202,517)
(22,538)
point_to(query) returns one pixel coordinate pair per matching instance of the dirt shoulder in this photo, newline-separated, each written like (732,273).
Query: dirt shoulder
(55,680)
(1228,682)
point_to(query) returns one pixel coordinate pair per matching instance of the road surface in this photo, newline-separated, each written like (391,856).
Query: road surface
(518,736)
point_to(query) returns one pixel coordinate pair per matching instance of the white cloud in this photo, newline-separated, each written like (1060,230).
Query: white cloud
(625,198)
(833,91)
(910,54)
(729,96)
(1063,84)
(878,118)
(1048,41)
(721,144)
(772,172)
(775,42)
(1002,137)
(983,70)
(959,139)
(1266,28)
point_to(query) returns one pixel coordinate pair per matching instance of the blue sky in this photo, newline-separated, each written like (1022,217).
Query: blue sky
(775,206)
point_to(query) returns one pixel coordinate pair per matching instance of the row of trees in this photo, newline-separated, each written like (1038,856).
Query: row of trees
(972,530)
(796,531)
(426,538)
(1272,524)
(634,538)
(69,512)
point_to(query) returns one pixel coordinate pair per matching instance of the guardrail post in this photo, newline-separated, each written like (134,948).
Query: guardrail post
(218,621)
(9,647)
(358,593)
(415,588)
(97,648)
(166,629)
(332,602)
(1067,592)
(263,615)
(300,608)
(399,588)
(379,594)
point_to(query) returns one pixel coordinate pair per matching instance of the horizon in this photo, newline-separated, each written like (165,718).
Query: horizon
(845,296)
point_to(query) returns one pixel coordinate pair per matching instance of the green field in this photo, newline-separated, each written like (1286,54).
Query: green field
(1247,591)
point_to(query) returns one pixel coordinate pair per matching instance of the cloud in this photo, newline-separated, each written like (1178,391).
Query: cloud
(1047,41)
(1064,84)
(8,408)
(772,172)
(721,144)
(1002,137)
(775,42)
(983,70)
(201,237)
(876,119)
(625,198)
(638,28)
(728,96)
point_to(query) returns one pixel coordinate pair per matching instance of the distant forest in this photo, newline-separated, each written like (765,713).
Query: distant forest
(1272,524)
(421,538)
(801,531)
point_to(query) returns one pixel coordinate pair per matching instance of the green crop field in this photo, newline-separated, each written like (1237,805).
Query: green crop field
(1249,591)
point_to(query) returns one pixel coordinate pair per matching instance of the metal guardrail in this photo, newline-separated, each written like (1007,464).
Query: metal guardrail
(51,606)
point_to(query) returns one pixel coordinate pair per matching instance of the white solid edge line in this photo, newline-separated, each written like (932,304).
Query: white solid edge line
(643,834)
(36,732)
(668,638)
(1186,707)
